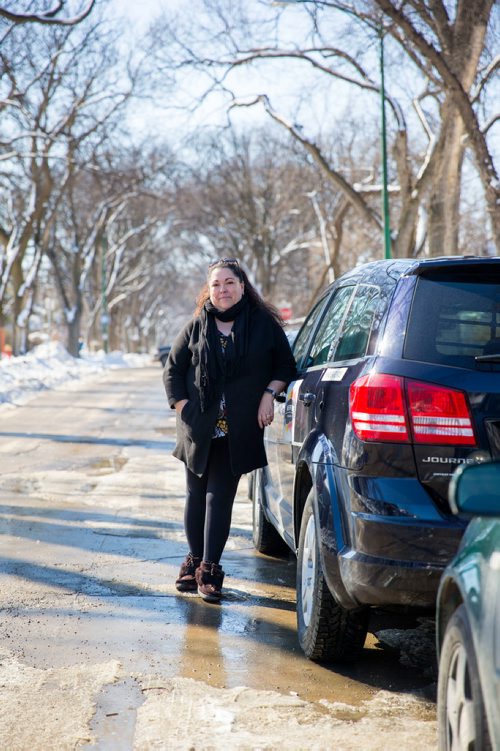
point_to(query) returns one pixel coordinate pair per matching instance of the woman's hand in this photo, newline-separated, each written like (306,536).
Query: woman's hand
(265,414)
(180,405)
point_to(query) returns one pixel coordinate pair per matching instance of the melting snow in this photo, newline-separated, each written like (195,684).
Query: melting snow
(50,365)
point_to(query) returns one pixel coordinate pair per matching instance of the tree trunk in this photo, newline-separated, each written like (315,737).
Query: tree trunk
(73,334)
(16,279)
(463,60)
(444,202)
(462,43)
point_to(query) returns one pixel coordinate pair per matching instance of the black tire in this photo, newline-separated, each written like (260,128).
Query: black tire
(265,537)
(461,716)
(327,632)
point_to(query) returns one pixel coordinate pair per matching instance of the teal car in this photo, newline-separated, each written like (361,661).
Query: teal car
(468,618)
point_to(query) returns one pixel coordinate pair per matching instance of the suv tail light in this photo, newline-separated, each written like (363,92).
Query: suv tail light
(377,408)
(439,415)
(386,407)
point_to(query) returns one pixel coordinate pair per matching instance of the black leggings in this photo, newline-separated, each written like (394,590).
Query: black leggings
(209,504)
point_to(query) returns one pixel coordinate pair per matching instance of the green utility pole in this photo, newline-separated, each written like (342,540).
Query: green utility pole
(104,300)
(385,193)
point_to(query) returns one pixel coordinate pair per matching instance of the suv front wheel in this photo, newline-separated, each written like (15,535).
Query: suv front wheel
(326,630)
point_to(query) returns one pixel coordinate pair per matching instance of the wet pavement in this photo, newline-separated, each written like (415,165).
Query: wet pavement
(98,650)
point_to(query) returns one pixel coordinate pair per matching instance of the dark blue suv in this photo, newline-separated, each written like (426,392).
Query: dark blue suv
(399,383)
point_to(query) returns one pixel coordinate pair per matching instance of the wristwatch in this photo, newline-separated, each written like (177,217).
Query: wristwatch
(271,391)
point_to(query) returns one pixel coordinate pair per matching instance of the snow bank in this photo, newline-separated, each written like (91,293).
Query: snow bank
(50,365)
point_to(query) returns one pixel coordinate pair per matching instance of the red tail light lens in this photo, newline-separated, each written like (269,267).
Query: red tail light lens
(377,408)
(439,415)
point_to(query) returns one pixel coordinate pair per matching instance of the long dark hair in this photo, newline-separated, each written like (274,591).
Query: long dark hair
(253,297)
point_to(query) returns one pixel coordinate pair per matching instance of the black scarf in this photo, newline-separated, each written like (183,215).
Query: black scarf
(212,366)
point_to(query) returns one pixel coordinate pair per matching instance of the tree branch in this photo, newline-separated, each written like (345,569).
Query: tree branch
(462,101)
(49,17)
(492,68)
(491,122)
(335,177)
(367,83)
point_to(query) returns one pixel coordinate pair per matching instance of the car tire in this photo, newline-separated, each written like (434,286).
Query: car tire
(461,716)
(265,537)
(327,632)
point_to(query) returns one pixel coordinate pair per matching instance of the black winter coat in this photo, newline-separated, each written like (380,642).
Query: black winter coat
(268,358)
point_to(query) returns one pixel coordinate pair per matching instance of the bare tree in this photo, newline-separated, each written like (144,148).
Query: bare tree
(27,178)
(81,211)
(444,45)
(78,242)
(52,16)
(63,95)
(258,197)
(447,41)
(132,269)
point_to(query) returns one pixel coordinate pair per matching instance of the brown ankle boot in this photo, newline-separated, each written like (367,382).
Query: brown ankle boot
(209,577)
(186,581)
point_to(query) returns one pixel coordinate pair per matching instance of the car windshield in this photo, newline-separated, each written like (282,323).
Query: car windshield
(454,321)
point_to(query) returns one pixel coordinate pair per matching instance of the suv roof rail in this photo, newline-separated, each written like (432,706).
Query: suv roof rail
(425,265)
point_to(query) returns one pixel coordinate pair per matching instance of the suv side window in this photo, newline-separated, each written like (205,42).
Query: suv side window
(326,336)
(299,347)
(355,334)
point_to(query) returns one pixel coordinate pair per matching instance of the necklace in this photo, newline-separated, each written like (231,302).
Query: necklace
(224,327)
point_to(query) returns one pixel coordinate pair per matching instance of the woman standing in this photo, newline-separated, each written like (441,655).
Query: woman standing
(223,372)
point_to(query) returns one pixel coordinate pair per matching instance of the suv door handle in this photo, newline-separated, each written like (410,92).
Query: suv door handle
(307,398)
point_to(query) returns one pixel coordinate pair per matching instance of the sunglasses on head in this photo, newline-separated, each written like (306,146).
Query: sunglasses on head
(224,262)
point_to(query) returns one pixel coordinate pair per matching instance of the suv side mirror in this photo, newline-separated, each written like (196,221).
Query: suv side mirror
(475,489)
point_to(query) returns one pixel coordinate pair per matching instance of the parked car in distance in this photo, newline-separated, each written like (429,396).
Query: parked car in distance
(398,384)
(162,354)
(468,618)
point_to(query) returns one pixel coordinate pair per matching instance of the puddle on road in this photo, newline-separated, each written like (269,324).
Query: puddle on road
(163,430)
(252,641)
(115,718)
(107,465)
(21,485)
(138,531)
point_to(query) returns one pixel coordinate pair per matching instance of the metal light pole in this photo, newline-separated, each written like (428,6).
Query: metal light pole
(385,193)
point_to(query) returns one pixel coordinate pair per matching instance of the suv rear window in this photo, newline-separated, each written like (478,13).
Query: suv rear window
(453,321)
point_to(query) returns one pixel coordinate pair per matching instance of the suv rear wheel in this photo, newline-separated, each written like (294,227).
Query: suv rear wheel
(326,630)
(265,538)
